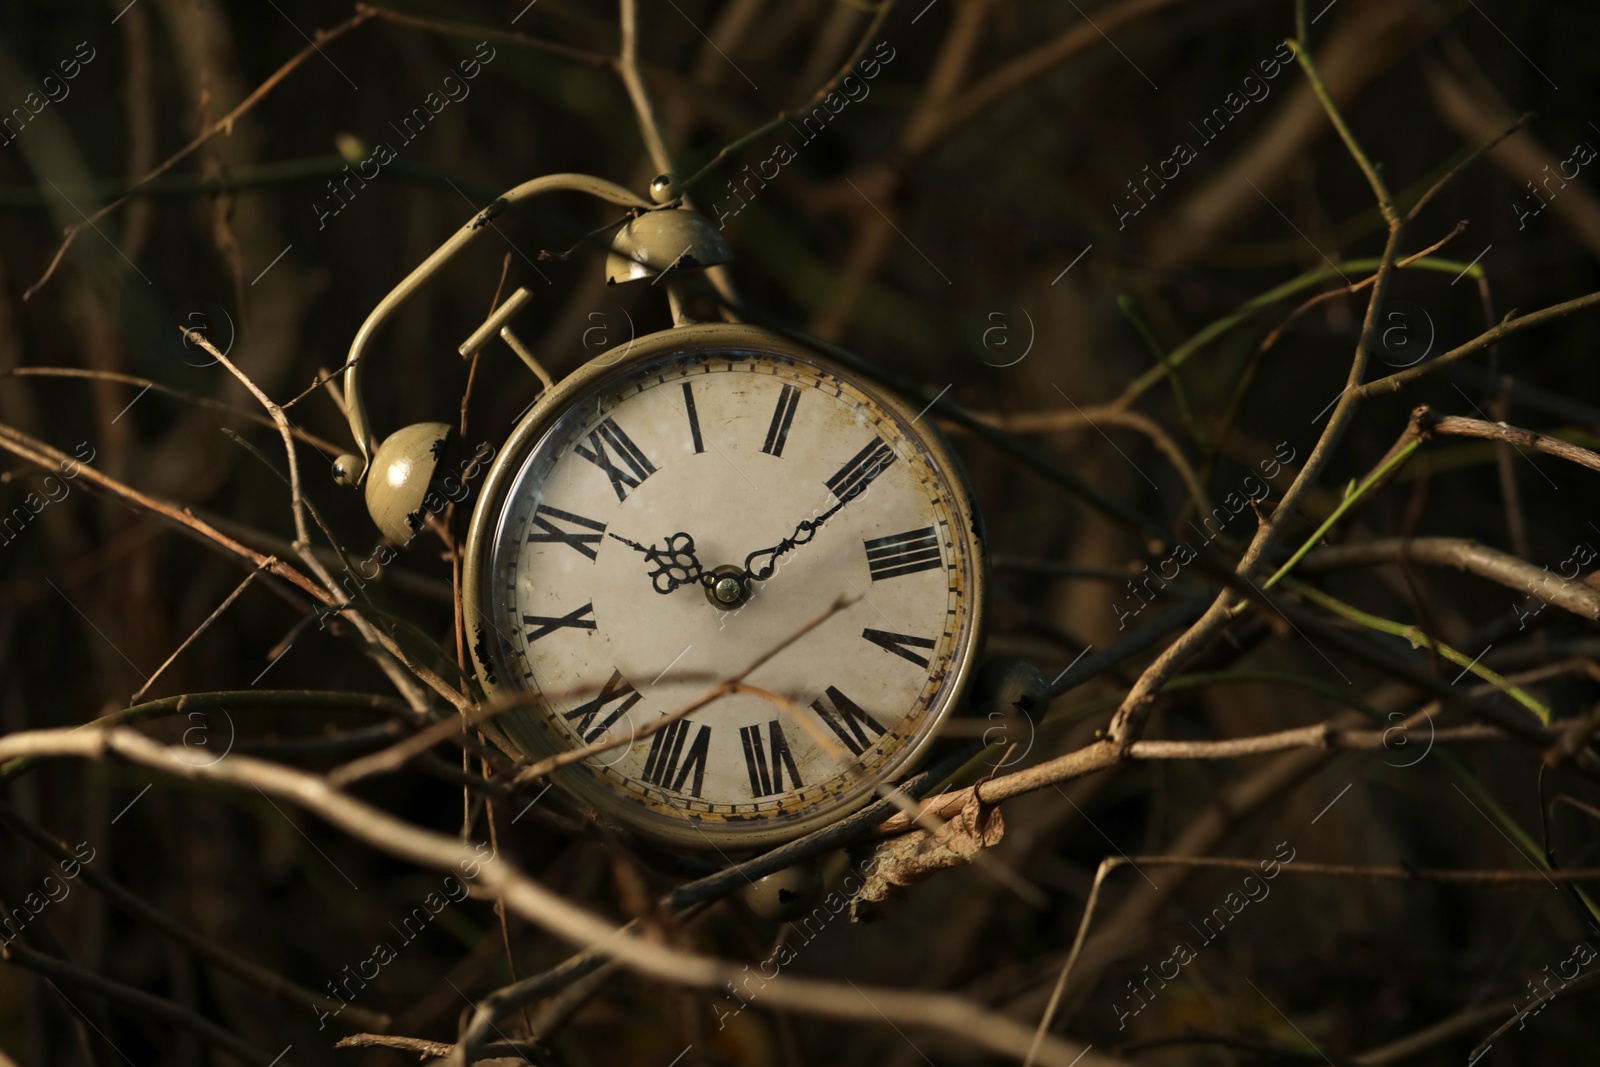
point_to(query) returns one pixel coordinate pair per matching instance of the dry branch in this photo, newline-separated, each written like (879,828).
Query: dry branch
(579,926)
(184,934)
(1575,596)
(139,1001)
(222,125)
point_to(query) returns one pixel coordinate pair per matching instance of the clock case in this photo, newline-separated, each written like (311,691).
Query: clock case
(521,731)
(661,240)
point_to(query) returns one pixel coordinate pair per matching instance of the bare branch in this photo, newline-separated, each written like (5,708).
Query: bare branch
(137,1001)
(1459,426)
(1511,324)
(951,1015)
(185,934)
(222,125)
(198,630)
(1464,555)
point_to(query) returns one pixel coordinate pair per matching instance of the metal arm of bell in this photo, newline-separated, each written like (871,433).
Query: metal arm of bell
(354,401)
(398,471)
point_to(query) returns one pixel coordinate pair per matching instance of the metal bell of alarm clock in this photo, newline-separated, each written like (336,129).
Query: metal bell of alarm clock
(675,514)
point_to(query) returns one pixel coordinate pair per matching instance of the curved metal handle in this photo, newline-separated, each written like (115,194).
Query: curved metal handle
(550,183)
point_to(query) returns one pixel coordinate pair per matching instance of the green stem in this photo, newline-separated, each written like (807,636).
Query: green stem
(1302,53)
(1180,392)
(1533,851)
(1420,639)
(1276,295)
(1344,505)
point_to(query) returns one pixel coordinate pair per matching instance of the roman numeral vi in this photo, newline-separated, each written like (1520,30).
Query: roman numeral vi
(846,719)
(766,778)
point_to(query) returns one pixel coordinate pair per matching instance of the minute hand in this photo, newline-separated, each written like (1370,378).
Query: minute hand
(802,533)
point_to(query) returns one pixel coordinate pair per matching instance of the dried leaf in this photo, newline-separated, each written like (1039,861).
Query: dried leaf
(909,859)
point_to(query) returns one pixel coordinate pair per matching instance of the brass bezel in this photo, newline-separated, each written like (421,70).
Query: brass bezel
(522,734)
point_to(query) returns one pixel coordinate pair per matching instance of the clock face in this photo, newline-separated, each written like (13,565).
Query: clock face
(683,519)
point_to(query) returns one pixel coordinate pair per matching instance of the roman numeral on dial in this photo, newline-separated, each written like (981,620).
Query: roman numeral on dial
(617,688)
(903,553)
(551,533)
(900,644)
(668,766)
(854,477)
(609,435)
(766,773)
(694,419)
(846,719)
(782,418)
(576,619)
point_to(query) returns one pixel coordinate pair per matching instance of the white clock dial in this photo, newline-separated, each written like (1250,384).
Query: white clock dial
(796,487)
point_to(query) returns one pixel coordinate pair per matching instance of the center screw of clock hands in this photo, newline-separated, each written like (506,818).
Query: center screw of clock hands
(728,587)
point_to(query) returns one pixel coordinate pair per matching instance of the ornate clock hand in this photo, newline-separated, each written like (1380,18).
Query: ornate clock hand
(636,546)
(804,532)
(675,560)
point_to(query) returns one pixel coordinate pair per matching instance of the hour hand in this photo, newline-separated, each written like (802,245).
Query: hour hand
(675,564)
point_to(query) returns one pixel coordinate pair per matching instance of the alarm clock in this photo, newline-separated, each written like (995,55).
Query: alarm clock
(712,502)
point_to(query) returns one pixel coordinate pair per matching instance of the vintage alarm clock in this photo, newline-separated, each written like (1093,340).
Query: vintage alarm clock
(676,513)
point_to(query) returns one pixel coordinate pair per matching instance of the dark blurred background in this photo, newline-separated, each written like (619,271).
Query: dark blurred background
(967,219)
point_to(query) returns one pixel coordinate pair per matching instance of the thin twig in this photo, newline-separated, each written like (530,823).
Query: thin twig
(1092,417)
(1460,426)
(140,1003)
(1471,158)
(157,387)
(1575,596)
(47,456)
(530,898)
(198,630)
(1448,876)
(525,1051)
(628,69)
(487,33)
(1512,323)
(1129,719)
(1302,52)
(885,8)
(1272,297)
(1294,316)
(185,933)
(222,125)
(390,664)
(1415,636)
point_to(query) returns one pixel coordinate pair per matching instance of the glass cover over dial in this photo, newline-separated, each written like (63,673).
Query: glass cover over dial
(687,517)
